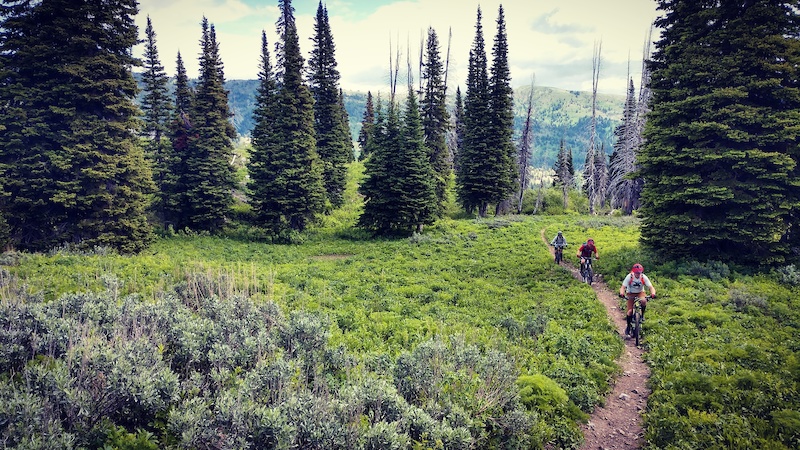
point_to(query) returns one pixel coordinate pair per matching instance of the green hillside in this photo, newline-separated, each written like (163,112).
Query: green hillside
(558,114)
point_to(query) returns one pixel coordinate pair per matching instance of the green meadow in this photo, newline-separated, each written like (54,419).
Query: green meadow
(464,336)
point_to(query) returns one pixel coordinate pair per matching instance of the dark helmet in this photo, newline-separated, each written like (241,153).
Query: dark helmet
(637,268)
(590,241)
(559,233)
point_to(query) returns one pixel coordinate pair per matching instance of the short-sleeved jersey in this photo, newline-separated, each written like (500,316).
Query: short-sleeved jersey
(635,285)
(586,250)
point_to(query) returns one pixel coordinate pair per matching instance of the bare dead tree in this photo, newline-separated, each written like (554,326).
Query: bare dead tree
(590,176)
(525,148)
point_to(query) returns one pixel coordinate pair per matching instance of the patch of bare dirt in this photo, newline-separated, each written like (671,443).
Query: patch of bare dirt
(617,425)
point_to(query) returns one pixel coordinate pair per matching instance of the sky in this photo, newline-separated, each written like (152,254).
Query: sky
(549,43)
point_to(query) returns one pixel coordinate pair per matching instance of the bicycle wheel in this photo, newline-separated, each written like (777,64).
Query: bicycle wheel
(637,326)
(589,275)
(558,256)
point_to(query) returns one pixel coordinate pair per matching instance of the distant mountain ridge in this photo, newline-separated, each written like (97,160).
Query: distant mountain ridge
(558,114)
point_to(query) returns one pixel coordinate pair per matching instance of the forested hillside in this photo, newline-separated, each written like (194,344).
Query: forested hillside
(558,114)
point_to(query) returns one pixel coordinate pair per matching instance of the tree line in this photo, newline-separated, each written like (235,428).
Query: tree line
(707,154)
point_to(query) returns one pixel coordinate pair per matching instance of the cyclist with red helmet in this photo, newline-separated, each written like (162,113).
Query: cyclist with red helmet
(632,287)
(585,251)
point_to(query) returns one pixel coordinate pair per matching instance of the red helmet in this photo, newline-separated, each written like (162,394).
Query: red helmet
(637,268)
(590,241)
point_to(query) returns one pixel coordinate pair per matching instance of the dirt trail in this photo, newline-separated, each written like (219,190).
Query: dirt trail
(617,424)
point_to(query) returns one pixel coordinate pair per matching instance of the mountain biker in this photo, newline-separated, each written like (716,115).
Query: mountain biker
(632,287)
(559,241)
(585,251)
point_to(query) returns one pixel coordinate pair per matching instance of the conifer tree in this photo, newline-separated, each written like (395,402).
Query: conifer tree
(435,120)
(174,186)
(501,104)
(487,162)
(266,166)
(564,172)
(157,108)
(475,175)
(457,131)
(367,132)
(209,179)
(624,189)
(334,145)
(293,199)
(399,186)
(69,157)
(721,151)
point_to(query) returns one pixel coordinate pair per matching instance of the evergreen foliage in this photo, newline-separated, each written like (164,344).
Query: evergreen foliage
(399,181)
(174,185)
(564,172)
(435,119)
(458,131)
(474,171)
(157,108)
(209,178)
(624,190)
(501,103)
(721,152)
(70,161)
(487,162)
(367,132)
(287,184)
(334,145)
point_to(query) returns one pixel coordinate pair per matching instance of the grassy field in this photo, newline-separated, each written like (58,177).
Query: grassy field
(466,336)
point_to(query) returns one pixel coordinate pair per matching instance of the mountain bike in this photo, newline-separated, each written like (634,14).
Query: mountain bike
(636,320)
(587,273)
(559,252)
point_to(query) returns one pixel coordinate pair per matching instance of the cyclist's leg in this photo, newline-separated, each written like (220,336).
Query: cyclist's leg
(643,302)
(629,313)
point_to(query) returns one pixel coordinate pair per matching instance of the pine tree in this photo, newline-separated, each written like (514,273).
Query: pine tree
(435,120)
(157,108)
(70,160)
(300,196)
(721,151)
(209,177)
(399,188)
(501,104)
(457,130)
(367,132)
(475,175)
(624,189)
(334,145)
(267,166)
(174,185)
(564,172)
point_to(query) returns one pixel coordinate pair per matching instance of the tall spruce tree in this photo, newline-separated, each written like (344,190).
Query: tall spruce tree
(267,166)
(721,151)
(174,185)
(334,145)
(501,104)
(624,189)
(69,158)
(435,119)
(564,172)
(209,177)
(302,196)
(457,130)
(399,186)
(157,106)
(367,132)
(475,174)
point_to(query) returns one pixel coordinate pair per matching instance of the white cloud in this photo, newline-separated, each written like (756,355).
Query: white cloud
(553,42)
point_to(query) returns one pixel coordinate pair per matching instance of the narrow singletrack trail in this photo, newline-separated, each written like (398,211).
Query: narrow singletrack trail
(617,425)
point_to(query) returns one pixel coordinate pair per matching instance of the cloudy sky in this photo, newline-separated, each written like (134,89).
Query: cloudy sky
(550,43)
